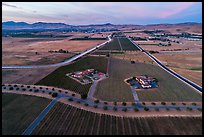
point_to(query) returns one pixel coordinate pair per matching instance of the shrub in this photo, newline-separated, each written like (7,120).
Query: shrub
(153,103)
(46,88)
(194,104)
(30,89)
(95,106)
(124,103)
(133,104)
(24,89)
(28,86)
(156,109)
(115,103)
(43,91)
(22,86)
(50,93)
(143,103)
(33,87)
(167,109)
(4,87)
(173,103)
(86,104)
(11,88)
(70,99)
(105,103)
(53,89)
(178,108)
(40,87)
(66,92)
(183,103)
(54,95)
(9,85)
(83,96)
(199,109)
(136,109)
(115,108)
(78,101)
(60,91)
(163,103)
(105,108)
(36,90)
(17,88)
(73,95)
(96,101)
(189,108)
(146,108)
(124,109)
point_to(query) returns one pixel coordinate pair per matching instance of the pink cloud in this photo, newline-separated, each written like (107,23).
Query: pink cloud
(175,9)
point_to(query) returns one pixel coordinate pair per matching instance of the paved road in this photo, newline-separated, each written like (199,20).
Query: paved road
(134,93)
(40,117)
(92,89)
(61,63)
(185,80)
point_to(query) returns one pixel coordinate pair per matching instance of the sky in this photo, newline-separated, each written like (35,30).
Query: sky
(83,13)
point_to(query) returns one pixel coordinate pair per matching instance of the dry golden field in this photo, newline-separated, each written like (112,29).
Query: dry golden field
(183,63)
(21,51)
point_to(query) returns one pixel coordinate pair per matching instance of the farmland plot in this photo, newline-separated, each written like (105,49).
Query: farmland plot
(18,111)
(68,120)
(127,45)
(59,79)
(113,45)
(170,88)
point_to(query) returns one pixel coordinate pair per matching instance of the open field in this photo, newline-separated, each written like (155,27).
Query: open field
(66,120)
(188,65)
(170,88)
(30,58)
(19,111)
(185,45)
(24,76)
(13,50)
(58,79)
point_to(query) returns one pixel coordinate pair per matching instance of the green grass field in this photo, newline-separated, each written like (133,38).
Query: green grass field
(59,79)
(196,68)
(19,111)
(66,120)
(170,88)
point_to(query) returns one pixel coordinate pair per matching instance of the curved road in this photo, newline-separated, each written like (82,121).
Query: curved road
(61,63)
(187,81)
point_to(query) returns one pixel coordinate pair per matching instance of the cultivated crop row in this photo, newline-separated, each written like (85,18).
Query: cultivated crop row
(59,79)
(67,120)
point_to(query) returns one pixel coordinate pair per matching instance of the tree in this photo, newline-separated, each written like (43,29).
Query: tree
(96,101)
(115,103)
(54,94)
(124,109)
(105,108)
(124,103)
(83,96)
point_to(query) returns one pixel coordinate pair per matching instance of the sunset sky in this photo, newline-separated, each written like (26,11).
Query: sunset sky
(82,13)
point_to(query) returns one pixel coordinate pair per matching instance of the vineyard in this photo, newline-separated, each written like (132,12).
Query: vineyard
(18,111)
(58,79)
(115,89)
(127,44)
(113,45)
(66,120)
(120,44)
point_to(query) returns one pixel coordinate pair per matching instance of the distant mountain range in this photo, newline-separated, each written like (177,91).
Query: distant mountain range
(11,25)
